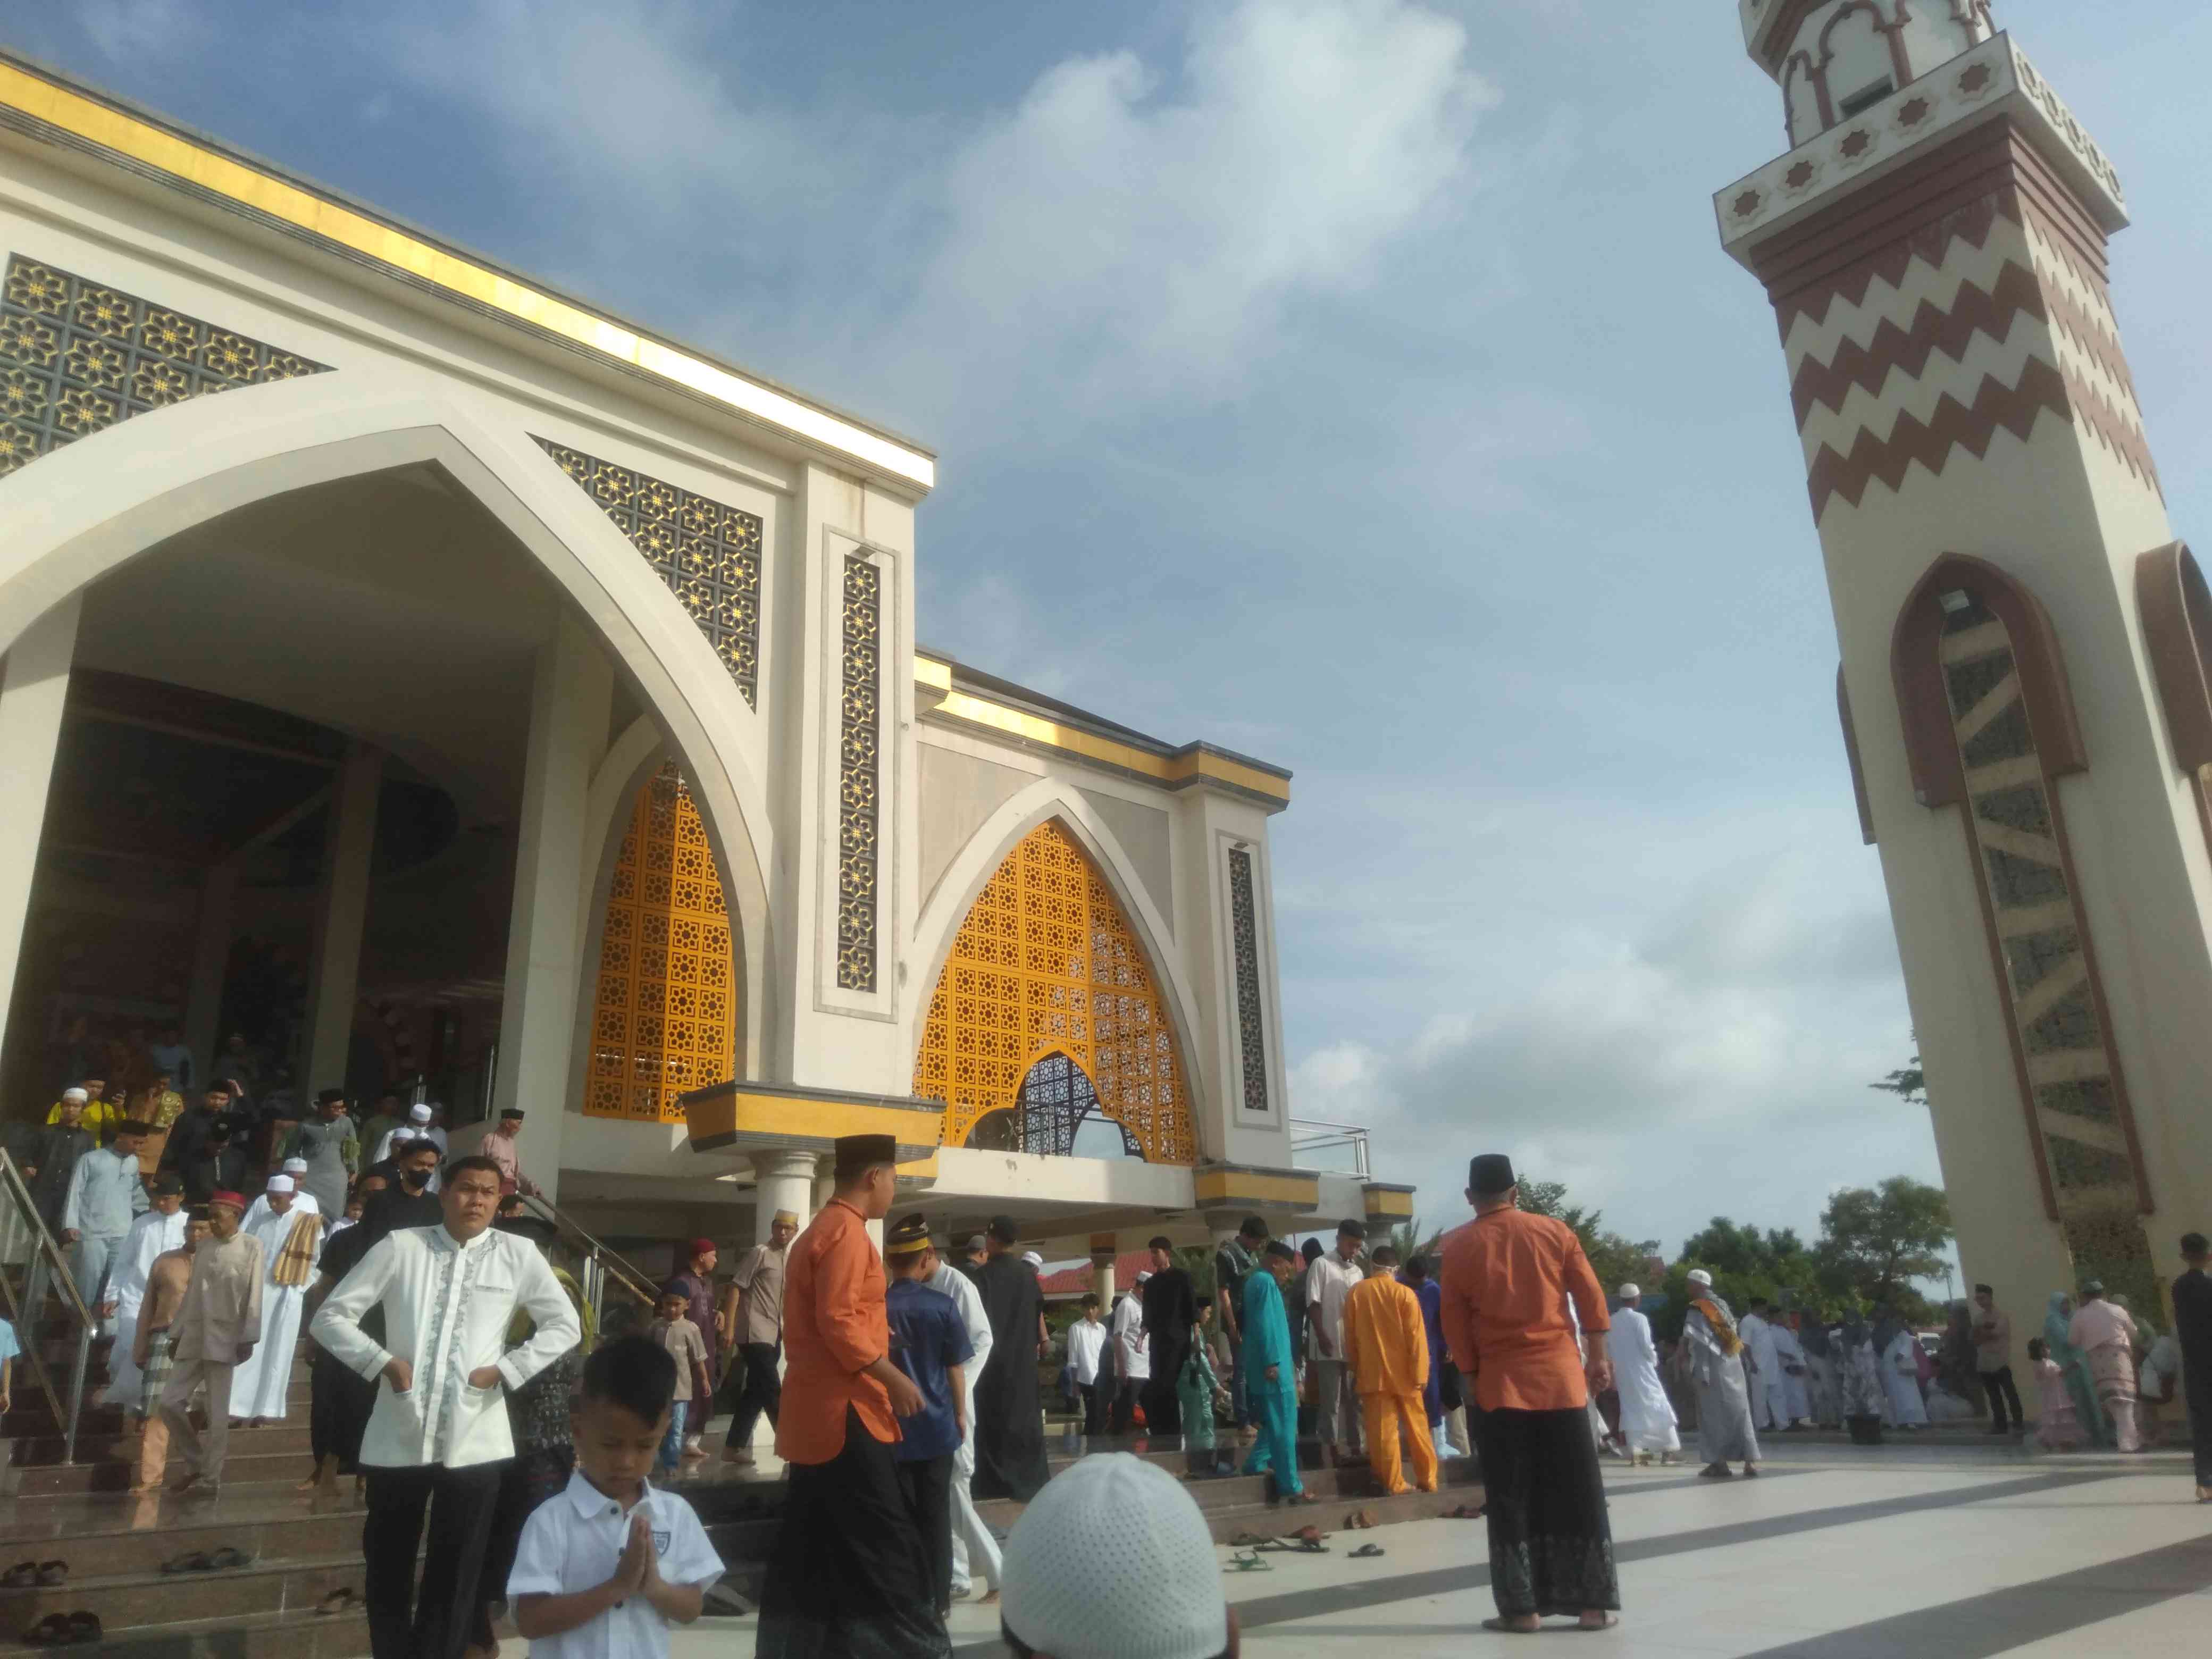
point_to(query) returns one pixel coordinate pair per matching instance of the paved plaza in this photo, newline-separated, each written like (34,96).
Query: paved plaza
(1834,1555)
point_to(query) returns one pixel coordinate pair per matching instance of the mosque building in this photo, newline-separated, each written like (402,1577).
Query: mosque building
(452,687)
(2025,690)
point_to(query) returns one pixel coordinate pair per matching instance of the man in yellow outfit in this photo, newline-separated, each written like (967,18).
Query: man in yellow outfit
(1386,1346)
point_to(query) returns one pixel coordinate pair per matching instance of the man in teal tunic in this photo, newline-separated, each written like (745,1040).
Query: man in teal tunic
(1271,1375)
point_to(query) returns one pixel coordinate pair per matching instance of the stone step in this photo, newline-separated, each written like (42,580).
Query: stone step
(126,1601)
(73,1479)
(30,1418)
(285,1434)
(99,1535)
(298,1634)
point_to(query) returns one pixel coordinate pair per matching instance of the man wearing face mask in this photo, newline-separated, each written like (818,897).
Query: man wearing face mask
(411,1201)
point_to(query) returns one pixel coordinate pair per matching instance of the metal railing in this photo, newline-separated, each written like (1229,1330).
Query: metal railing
(1311,1136)
(46,1272)
(600,1268)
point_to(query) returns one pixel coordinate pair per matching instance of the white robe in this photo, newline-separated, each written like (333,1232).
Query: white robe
(1647,1419)
(383,1144)
(151,1234)
(259,1386)
(975,1552)
(257,1211)
(1900,1367)
(1797,1400)
(1766,1369)
(1131,1354)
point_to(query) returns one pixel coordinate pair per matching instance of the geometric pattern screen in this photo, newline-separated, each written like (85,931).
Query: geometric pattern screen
(1244,930)
(664,1015)
(76,358)
(709,555)
(2080,1130)
(861,714)
(1045,964)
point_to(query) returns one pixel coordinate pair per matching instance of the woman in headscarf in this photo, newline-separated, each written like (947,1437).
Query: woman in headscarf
(2058,1425)
(325,1177)
(1712,1354)
(2074,1368)
(1860,1395)
(1897,1355)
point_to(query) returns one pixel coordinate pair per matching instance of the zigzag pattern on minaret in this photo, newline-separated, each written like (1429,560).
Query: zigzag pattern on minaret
(1930,244)
(1953,425)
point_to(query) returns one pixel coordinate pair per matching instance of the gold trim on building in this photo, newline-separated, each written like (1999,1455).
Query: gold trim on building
(1274,1188)
(1390,1203)
(739,1119)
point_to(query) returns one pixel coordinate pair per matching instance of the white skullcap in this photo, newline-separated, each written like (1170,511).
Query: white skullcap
(1630,1292)
(280,1183)
(420,1111)
(1112,1560)
(1700,1276)
(402,1134)
(1144,1274)
(1033,1258)
(296,1166)
(74,1094)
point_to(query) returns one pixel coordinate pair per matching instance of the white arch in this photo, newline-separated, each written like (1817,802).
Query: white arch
(73,516)
(938,925)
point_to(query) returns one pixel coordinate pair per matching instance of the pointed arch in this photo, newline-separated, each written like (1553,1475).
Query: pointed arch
(1046,961)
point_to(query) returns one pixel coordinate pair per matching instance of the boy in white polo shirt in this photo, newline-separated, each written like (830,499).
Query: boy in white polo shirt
(604,1569)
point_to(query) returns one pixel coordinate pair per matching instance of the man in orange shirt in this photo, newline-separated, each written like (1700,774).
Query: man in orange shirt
(849,1576)
(1508,1279)
(1386,1342)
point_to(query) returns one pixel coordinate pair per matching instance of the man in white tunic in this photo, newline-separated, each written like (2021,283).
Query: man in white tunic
(290,1233)
(974,1546)
(1132,1362)
(419,1127)
(1647,1419)
(161,1228)
(1766,1365)
(438,1437)
(1897,1359)
(1796,1404)
(303,1201)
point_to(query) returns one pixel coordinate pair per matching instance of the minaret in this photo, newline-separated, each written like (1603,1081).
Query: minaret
(2025,645)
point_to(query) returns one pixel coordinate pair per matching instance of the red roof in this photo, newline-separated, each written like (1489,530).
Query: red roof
(1078,1281)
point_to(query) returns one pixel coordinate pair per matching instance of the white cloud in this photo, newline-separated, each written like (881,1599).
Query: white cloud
(124,30)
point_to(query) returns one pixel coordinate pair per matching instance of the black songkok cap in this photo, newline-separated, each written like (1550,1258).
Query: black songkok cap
(1004,1230)
(1281,1251)
(169,1186)
(325,1097)
(909,1236)
(863,1151)
(1490,1174)
(514,1112)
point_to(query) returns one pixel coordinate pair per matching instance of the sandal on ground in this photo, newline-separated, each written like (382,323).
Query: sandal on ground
(53,1574)
(1612,1622)
(337,1602)
(22,1576)
(83,1628)
(1245,1540)
(1503,1629)
(1361,1521)
(196,1561)
(1305,1536)
(1302,1499)
(1306,1546)
(51,1631)
(1365,1552)
(1465,1512)
(1717,1472)
(1750,1472)
(224,1559)
(1246,1561)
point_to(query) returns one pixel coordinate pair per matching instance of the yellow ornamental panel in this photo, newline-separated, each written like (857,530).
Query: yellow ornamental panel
(1046,964)
(665,1012)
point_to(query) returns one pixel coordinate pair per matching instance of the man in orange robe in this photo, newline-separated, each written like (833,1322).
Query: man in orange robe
(1386,1343)
(849,1576)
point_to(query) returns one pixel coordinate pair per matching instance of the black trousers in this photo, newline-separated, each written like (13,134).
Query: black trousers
(339,1403)
(1163,1406)
(848,1579)
(1094,1405)
(1126,1393)
(440,1619)
(1998,1385)
(2196,1391)
(927,1484)
(1551,1540)
(763,1392)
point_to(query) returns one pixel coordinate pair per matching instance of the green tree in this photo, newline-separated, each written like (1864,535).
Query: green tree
(1614,1258)
(1875,1240)
(1408,1239)
(1908,1082)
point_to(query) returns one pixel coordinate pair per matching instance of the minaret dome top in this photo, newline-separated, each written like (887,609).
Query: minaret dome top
(1835,58)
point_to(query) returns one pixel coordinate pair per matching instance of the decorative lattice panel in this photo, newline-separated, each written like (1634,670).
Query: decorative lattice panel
(1046,964)
(664,1016)
(859,741)
(2078,1112)
(709,555)
(1244,928)
(76,358)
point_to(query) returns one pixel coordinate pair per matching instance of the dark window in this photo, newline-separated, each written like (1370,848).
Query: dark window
(1868,99)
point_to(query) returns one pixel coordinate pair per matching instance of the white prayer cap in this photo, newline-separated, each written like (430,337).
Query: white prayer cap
(280,1183)
(296,1166)
(1033,1258)
(420,1111)
(1142,1275)
(401,1134)
(1700,1276)
(1112,1560)
(1630,1292)
(74,1094)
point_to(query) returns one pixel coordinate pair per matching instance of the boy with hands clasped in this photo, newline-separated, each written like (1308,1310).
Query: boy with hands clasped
(604,1569)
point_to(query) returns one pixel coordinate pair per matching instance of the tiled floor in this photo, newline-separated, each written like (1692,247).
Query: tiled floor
(1835,1555)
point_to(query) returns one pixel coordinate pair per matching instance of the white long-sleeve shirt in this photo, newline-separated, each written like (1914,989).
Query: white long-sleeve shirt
(970,1300)
(107,1194)
(150,1236)
(446,1308)
(1129,1339)
(1086,1347)
(1758,1338)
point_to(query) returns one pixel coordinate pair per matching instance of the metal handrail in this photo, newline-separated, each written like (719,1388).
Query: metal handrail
(47,1271)
(1324,1135)
(602,1264)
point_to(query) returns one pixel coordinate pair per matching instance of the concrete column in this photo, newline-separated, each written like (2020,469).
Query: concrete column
(33,686)
(341,913)
(210,962)
(1102,1252)
(783,1181)
(571,700)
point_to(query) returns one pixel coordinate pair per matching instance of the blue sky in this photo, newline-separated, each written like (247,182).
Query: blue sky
(1357,383)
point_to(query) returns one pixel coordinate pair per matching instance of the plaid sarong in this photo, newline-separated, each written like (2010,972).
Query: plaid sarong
(161,1360)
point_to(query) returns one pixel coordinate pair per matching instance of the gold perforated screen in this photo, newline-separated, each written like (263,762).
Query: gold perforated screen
(1045,962)
(665,1015)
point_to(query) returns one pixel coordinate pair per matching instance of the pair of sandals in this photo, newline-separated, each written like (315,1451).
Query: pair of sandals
(35,1575)
(339,1602)
(1306,1541)
(221,1560)
(65,1630)
(1612,1622)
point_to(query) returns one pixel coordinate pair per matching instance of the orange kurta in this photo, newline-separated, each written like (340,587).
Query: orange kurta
(1507,1278)
(1385,1340)
(834,1327)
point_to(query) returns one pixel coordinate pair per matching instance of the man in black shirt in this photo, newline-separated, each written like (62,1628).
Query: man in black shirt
(1171,1311)
(190,1147)
(2192,1329)
(1231,1263)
